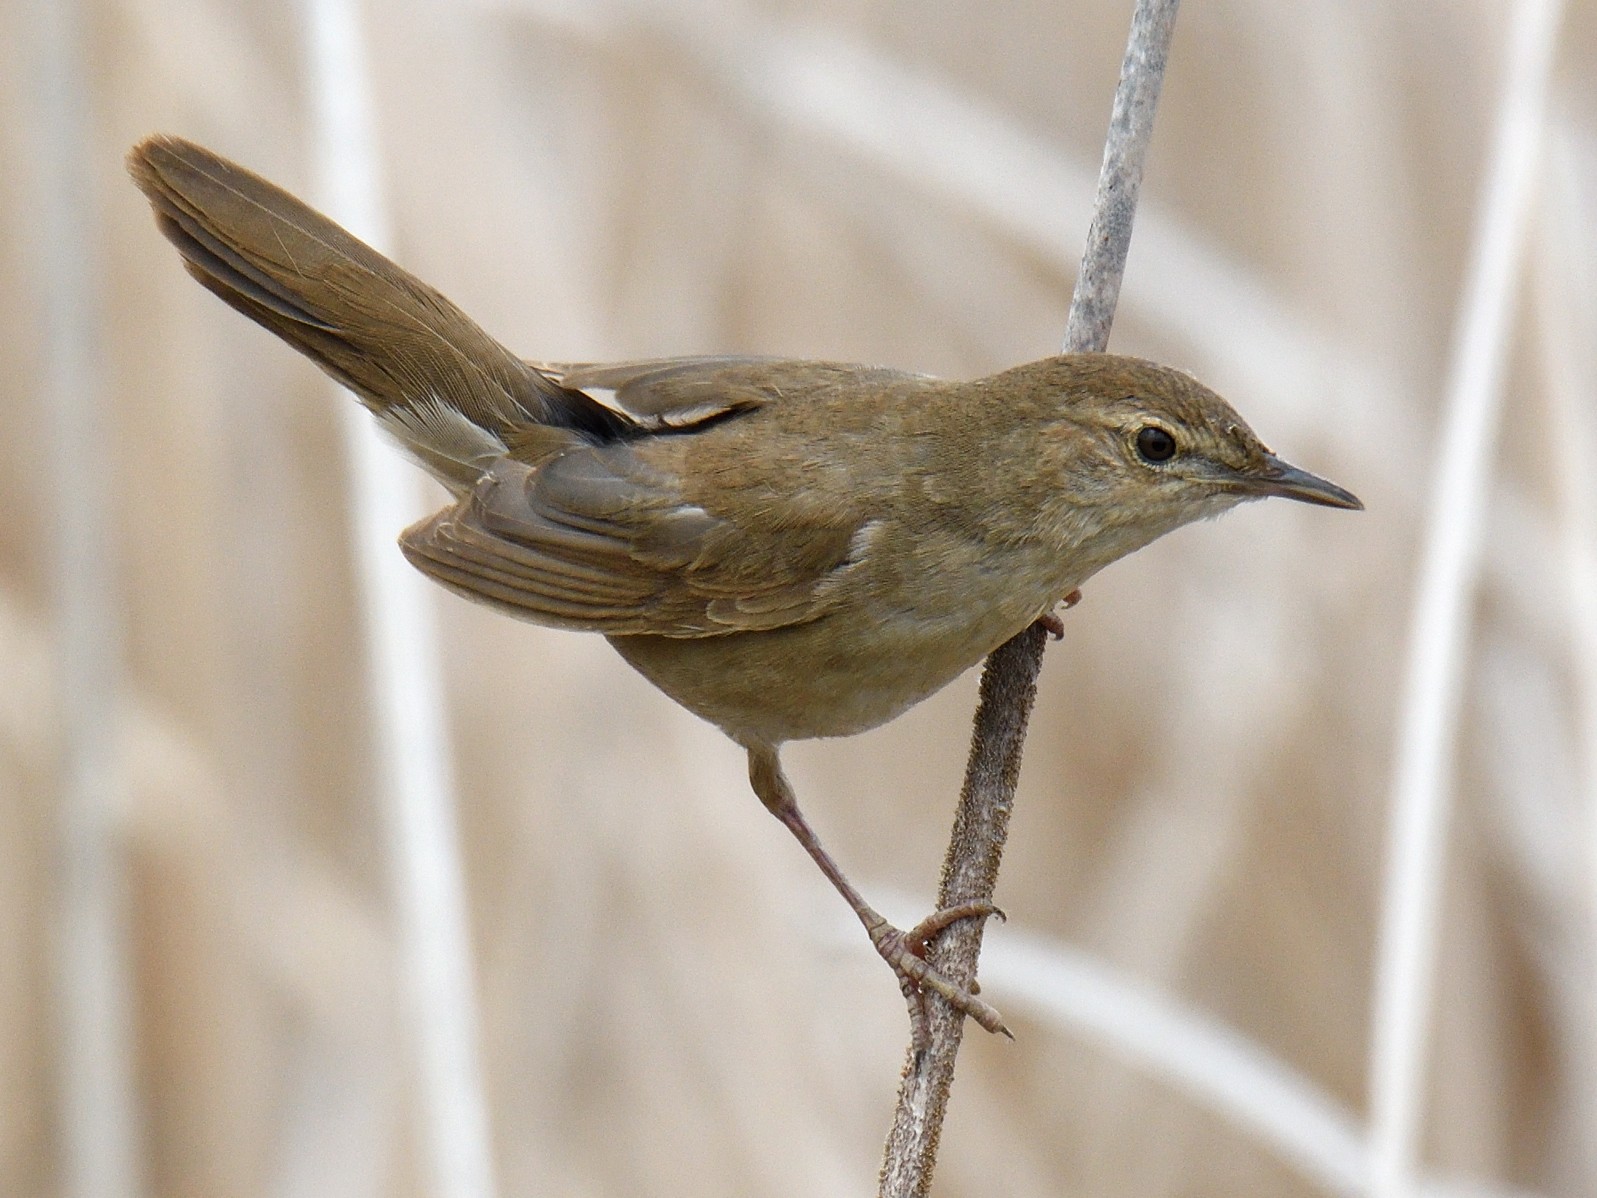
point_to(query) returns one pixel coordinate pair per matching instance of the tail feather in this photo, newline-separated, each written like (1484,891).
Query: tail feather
(446,388)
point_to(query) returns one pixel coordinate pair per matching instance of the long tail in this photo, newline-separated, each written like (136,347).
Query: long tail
(451,393)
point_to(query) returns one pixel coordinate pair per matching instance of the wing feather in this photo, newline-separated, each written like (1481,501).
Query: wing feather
(597,539)
(675,394)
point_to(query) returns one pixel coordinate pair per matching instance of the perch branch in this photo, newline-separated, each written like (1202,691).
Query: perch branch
(1009,680)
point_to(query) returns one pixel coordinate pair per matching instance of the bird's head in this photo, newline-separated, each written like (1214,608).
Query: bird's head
(1129,450)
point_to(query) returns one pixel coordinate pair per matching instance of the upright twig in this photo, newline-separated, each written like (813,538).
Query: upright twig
(1439,625)
(1009,680)
(432,928)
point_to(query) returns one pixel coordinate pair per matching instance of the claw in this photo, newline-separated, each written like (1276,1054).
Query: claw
(905,952)
(1050,621)
(921,935)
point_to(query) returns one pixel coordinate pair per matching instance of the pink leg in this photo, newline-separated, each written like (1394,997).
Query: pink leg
(904,951)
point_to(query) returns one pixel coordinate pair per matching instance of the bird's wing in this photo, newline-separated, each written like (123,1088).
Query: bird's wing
(671,394)
(599,538)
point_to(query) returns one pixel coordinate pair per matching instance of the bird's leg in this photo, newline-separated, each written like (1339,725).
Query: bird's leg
(904,951)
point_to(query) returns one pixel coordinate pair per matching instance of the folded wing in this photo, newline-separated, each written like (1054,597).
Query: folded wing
(597,539)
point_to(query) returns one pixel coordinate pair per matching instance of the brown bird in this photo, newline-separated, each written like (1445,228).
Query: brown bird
(787,548)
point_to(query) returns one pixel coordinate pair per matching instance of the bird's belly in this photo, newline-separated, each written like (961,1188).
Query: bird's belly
(832,677)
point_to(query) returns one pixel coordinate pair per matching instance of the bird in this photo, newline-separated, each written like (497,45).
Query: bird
(790,549)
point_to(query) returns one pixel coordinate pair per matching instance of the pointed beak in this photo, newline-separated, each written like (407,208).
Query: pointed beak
(1276,477)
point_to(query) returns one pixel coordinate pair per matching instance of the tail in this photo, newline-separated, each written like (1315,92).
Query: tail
(452,394)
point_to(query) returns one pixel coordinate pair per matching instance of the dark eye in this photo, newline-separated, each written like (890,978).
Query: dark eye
(1155,444)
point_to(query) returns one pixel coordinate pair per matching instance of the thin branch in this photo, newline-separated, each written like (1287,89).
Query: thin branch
(1439,625)
(1009,681)
(1103,262)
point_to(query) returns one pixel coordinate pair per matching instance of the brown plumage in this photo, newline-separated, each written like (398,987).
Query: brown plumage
(788,548)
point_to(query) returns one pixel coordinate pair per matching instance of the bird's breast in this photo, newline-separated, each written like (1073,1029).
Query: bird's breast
(894,637)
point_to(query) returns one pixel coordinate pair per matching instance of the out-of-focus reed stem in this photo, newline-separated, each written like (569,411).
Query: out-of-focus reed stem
(95,1005)
(1566,318)
(432,927)
(1439,626)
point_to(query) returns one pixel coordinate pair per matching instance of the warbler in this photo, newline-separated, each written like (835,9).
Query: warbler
(787,548)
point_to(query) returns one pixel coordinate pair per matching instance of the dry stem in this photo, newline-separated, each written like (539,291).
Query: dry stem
(1009,680)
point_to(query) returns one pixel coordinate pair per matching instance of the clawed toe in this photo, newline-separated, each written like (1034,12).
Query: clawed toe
(922,934)
(905,952)
(1051,623)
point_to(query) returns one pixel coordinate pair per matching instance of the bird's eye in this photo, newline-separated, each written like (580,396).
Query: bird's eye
(1155,444)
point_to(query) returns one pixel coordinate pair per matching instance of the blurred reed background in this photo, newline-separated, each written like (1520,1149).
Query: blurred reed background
(669,999)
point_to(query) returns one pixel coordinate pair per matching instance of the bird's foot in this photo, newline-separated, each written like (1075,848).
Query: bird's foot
(905,952)
(1050,621)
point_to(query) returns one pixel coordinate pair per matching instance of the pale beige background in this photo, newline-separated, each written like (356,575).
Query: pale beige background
(668,1006)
